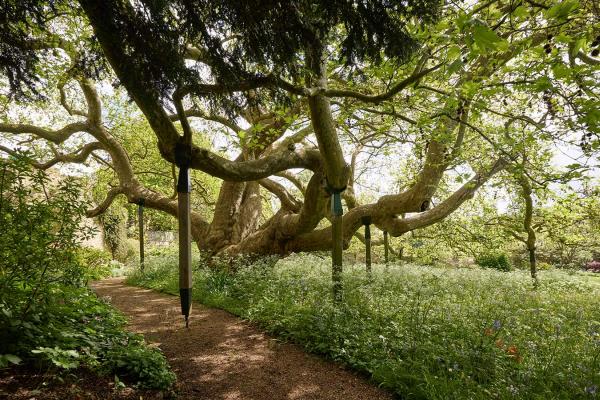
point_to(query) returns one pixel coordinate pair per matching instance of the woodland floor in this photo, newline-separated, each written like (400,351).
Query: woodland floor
(223,357)
(29,383)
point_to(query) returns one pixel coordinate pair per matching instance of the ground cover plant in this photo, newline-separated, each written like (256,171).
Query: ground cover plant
(423,332)
(76,329)
(49,317)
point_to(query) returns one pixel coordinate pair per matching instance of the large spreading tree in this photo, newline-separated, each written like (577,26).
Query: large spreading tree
(308,96)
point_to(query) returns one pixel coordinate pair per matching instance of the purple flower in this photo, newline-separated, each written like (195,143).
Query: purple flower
(497,324)
(592,389)
(593,266)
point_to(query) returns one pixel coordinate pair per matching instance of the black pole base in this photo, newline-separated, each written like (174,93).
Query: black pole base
(186,302)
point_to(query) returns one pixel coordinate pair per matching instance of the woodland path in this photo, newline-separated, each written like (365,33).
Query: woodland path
(221,356)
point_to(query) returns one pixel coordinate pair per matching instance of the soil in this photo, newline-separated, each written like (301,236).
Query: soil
(30,383)
(223,357)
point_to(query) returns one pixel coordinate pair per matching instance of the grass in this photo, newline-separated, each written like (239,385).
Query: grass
(422,332)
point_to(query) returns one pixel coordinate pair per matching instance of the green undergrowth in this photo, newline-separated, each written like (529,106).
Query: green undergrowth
(50,321)
(74,328)
(422,332)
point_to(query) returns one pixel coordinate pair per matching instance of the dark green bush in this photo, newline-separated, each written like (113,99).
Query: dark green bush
(499,262)
(95,262)
(76,328)
(48,316)
(139,364)
(40,235)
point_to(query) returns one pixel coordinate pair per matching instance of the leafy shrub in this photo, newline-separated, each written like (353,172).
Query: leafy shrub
(8,359)
(48,316)
(77,328)
(95,262)
(499,262)
(40,235)
(129,251)
(65,359)
(543,266)
(145,366)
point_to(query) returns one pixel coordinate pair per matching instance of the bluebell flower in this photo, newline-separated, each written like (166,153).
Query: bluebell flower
(592,389)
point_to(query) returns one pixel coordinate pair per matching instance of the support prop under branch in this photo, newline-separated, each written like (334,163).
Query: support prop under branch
(185,232)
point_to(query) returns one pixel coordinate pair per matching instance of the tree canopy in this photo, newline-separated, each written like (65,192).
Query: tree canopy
(292,101)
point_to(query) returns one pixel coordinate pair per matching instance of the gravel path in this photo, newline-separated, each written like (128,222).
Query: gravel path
(222,357)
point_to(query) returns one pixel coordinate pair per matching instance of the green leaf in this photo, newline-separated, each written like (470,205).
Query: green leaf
(562,9)
(12,358)
(71,353)
(461,20)
(455,66)
(592,117)
(577,45)
(470,88)
(543,83)
(453,52)
(573,166)
(560,71)
(487,40)
(520,12)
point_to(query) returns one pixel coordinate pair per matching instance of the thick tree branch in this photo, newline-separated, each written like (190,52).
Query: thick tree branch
(290,141)
(54,136)
(288,201)
(397,88)
(65,104)
(77,157)
(279,161)
(321,239)
(102,207)
(292,178)
(397,226)
(336,169)
(193,112)
(587,59)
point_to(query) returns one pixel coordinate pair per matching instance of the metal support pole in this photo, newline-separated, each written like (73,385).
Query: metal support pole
(337,245)
(386,246)
(141,229)
(367,223)
(185,239)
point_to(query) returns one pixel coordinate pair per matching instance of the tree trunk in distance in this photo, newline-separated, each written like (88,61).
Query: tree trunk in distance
(527,222)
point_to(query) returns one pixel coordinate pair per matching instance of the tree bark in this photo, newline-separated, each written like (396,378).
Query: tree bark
(527,225)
